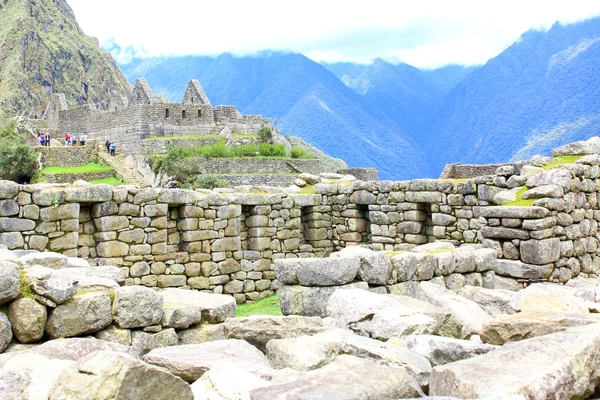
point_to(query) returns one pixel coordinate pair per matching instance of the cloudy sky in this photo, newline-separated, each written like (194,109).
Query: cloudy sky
(424,33)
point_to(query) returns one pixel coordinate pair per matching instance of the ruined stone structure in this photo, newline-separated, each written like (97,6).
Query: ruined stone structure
(127,122)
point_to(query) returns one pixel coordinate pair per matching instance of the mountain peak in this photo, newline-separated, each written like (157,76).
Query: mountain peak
(43,51)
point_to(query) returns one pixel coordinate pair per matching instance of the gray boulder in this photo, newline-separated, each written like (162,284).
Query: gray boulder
(260,329)
(441,350)
(469,313)
(326,271)
(10,279)
(227,381)
(202,333)
(528,324)
(590,146)
(495,302)
(28,319)
(191,361)
(113,334)
(304,353)
(556,176)
(30,376)
(375,267)
(346,378)
(86,313)
(107,375)
(183,308)
(311,301)
(47,283)
(550,296)
(137,307)
(561,365)
(145,342)
(5,332)
(45,259)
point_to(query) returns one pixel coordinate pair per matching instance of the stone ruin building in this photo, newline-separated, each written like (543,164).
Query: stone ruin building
(127,122)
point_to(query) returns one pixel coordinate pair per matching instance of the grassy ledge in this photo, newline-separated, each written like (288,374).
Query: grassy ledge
(267,306)
(562,160)
(109,181)
(82,169)
(519,201)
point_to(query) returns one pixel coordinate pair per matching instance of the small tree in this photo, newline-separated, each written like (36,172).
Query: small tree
(18,161)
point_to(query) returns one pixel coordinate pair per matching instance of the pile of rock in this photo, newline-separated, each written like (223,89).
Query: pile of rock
(323,178)
(308,282)
(51,296)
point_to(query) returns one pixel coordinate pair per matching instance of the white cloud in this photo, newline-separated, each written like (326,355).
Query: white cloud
(425,33)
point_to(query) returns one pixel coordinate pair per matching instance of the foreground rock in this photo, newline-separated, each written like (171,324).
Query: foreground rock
(440,350)
(549,296)
(137,307)
(495,302)
(227,381)
(49,284)
(317,271)
(71,349)
(183,308)
(106,375)
(259,329)
(28,319)
(469,313)
(385,316)
(311,301)
(9,281)
(30,376)
(347,378)
(375,266)
(562,365)
(5,332)
(191,361)
(86,313)
(528,324)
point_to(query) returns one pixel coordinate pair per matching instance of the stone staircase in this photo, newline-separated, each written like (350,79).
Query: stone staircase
(118,163)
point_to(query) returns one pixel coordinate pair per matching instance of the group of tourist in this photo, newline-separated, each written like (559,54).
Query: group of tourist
(111,148)
(45,139)
(71,140)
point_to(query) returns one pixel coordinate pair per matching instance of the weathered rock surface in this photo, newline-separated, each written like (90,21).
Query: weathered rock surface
(145,342)
(202,333)
(5,332)
(469,313)
(311,301)
(137,307)
(45,259)
(518,269)
(441,350)
(86,313)
(549,296)
(259,329)
(304,353)
(334,271)
(375,267)
(107,375)
(28,319)
(30,376)
(385,316)
(226,381)
(347,378)
(191,361)
(48,283)
(215,308)
(113,334)
(561,365)
(528,324)
(495,302)
(10,279)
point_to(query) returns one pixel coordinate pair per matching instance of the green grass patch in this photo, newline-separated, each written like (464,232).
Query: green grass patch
(438,251)
(235,136)
(109,181)
(562,160)
(519,201)
(457,180)
(267,306)
(391,254)
(308,189)
(82,169)
(24,289)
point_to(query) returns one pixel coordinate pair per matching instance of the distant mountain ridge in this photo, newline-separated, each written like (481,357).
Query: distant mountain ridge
(43,50)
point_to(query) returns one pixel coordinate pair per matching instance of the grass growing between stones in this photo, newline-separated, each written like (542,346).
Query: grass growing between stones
(109,181)
(23,288)
(267,306)
(81,169)
(308,189)
(562,160)
(519,201)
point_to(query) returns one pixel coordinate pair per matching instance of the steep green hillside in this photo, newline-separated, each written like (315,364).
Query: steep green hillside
(43,50)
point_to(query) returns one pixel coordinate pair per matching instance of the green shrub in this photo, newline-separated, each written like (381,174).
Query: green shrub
(264,134)
(209,182)
(299,152)
(217,150)
(271,150)
(18,160)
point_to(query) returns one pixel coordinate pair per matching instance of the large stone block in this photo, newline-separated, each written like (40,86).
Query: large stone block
(510,212)
(375,267)
(67,211)
(50,284)
(89,194)
(8,208)
(28,319)
(137,307)
(8,189)
(13,240)
(363,197)
(9,281)
(441,350)
(177,196)
(86,313)
(518,269)
(540,251)
(562,365)
(310,301)
(227,244)
(111,223)
(112,249)
(16,225)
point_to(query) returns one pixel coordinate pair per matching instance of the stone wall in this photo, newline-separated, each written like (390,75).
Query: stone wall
(69,156)
(162,146)
(226,242)
(463,171)
(204,165)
